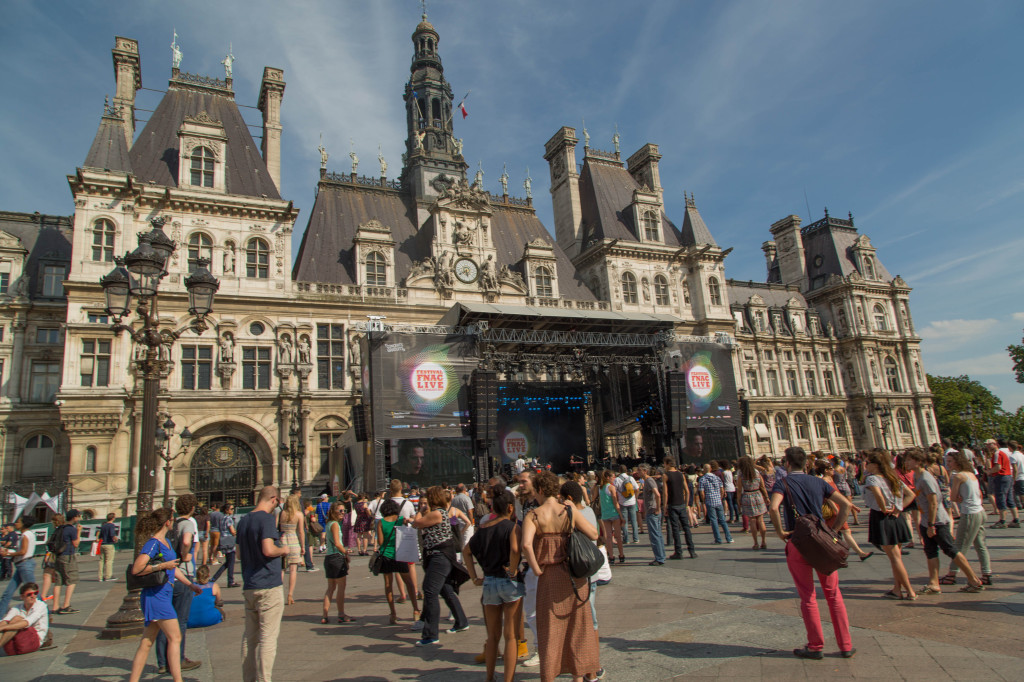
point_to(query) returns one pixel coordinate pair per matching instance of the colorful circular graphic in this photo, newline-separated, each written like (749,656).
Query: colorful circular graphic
(429,380)
(515,444)
(700,381)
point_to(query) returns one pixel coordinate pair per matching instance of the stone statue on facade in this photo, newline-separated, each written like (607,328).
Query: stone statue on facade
(304,351)
(444,278)
(227,348)
(463,233)
(355,353)
(229,60)
(355,160)
(229,260)
(284,347)
(383,163)
(457,144)
(175,52)
(504,180)
(323,152)
(478,179)
(489,275)
(417,139)
(528,184)
(586,135)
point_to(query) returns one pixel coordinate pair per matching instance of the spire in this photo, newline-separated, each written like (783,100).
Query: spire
(109,150)
(694,230)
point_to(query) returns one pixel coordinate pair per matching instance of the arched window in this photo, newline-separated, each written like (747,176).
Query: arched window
(37,458)
(90,459)
(376,270)
(820,426)
(661,290)
(762,432)
(781,427)
(202,168)
(881,318)
(103,241)
(650,222)
(542,280)
(869,267)
(629,288)
(199,246)
(892,374)
(715,291)
(903,422)
(800,421)
(838,425)
(257,259)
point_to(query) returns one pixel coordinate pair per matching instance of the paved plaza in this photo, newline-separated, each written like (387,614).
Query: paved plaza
(731,613)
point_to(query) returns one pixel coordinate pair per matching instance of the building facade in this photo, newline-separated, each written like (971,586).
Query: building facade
(819,345)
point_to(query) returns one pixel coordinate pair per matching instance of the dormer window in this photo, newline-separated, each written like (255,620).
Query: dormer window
(257,259)
(869,267)
(376,270)
(542,281)
(202,167)
(650,224)
(103,233)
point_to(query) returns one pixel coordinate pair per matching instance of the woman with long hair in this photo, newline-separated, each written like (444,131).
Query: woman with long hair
(496,545)
(363,525)
(970,529)
(754,499)
(293,532)
(391,518)
(911,515)
(565,629)
(157,610)
(611,514)
(884,494)
(439,561)
(336,562)
(825,470)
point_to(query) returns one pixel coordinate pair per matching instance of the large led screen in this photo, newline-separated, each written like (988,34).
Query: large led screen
(423,462)
(710,384)
(548,421)
(420,385)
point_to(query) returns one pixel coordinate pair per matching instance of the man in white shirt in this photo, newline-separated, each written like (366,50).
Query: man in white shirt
(626,489)
(1017,462)
(28,624)
(24,561)
(518,466)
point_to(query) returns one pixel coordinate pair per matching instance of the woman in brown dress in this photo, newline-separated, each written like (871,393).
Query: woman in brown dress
(567,641)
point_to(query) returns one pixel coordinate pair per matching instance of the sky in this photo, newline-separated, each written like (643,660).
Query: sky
(909,115)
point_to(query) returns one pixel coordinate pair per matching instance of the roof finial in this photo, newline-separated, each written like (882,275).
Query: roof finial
(850,213)
(228,61)
(528,184)
(615,138)
(175,52)
(383,163)
(478,181)
(323,153)
(504,179)
(352,155)
(826,211)
(586,135)
(423,3)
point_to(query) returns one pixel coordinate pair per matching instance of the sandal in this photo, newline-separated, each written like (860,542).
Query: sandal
(986,579)
(346,619)
(928,589)
(949,579)
(891,595)
(622,559)
(324,621)
(973,589)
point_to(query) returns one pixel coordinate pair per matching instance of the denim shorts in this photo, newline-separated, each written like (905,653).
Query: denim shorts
(498,591)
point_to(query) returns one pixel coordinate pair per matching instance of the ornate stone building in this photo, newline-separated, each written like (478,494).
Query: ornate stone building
(280,367)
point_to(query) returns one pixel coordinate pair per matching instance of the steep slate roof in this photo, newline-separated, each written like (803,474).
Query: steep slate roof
(45,237)
(326,253)
(694,230)
(606,192)
(109,150)
(774,295)
(833,240)
(154,156)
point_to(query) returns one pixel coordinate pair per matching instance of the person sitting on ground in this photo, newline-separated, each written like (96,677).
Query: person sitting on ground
(206,606)
(25,628)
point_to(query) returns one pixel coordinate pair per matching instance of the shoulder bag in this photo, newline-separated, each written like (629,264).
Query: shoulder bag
(818,544)
(582,557)
(139,582)
(377,559)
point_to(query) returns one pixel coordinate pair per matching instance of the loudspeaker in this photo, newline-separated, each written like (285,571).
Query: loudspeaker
(677,402)
(485,405)
(745,412)
(359,423)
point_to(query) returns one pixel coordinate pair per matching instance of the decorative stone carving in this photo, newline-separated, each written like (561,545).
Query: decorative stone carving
(489,275)
(284,350)
(203,118)
(303,350)
(227,347)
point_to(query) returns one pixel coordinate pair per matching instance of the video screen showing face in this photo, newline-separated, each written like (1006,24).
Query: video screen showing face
(432,461)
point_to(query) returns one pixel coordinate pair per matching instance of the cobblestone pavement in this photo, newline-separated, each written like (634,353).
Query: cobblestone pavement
(731,613)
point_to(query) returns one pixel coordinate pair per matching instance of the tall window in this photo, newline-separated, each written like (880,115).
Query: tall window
(714,291)
(759,321)
(44,380)
(752,381)
(330,355)
(37,458)
(800,421)
(838,425)
(376,270)
(773,382)
(650,221)
(196,367)
(903,422)
(781,427)
(869,267)
(199,246)
(328,441)
(794,387)
(48,335)
(892,375)
(257,259)
(202,168)
(629,288)
(90,458)
(542,279)
(255,367)
(95,369)
(762,433)
(5,275)
(53,281)
(812,384)
(820,426)
(830,382)
(103,241)
(881,319)
(661,290)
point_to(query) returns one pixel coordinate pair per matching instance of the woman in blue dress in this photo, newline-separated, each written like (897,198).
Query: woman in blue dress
(157,610)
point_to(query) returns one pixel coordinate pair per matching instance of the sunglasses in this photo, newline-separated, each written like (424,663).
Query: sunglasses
(30,594)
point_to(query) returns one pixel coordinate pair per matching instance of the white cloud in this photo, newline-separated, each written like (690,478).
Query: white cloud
(945,335)
(1018,316)
(993,364)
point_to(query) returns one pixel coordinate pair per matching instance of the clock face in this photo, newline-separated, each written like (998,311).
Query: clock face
(466,270)
(818,260)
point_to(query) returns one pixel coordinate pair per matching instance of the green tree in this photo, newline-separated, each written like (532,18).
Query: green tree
(1016,351)
(954,395)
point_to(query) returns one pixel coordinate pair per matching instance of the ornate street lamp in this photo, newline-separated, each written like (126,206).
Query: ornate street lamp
(138,275)
(163,435)
(295,451)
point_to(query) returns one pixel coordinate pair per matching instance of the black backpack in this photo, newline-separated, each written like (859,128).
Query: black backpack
(57,544)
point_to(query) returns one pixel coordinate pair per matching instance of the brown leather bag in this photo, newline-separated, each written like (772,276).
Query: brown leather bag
(818,544)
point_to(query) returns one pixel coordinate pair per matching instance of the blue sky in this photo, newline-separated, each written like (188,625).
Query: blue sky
(908,114)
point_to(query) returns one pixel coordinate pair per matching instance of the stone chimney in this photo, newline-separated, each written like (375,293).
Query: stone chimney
(643,166)
(128,79)
(560,153)
(790,244)
(769,254)
(271,94)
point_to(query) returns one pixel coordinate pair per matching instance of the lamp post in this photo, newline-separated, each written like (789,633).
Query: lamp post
(295,451)
(138,275)
(968,414)
(883,413)
(163,449)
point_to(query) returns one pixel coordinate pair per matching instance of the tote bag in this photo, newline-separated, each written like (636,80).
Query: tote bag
(407,547)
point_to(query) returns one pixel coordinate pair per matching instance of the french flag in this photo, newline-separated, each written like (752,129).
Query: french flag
(462,106)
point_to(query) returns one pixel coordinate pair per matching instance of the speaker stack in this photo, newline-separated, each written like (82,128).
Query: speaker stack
(677,402)
(485,419)
(359,423)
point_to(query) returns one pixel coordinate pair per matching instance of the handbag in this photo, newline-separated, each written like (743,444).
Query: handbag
(582,558)
(139,582)
(314,526)
(407,547)
(818,544)
(377,559)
